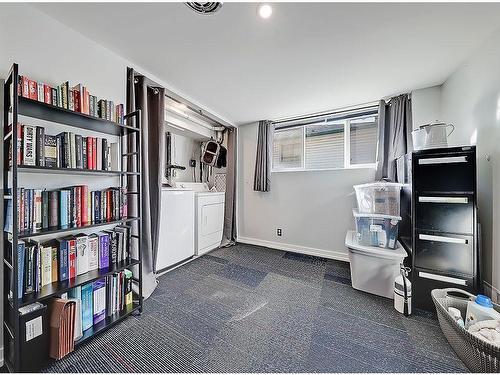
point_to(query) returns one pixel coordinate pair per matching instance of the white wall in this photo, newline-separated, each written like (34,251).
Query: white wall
(426,105)
(470,99)
(314,209)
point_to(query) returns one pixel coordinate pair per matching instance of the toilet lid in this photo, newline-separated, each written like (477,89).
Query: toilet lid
(352,243)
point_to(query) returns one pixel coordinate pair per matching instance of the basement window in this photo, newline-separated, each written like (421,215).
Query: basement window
(336,141)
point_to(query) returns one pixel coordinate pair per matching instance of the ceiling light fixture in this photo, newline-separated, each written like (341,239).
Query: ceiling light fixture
(264,10)
(204,7)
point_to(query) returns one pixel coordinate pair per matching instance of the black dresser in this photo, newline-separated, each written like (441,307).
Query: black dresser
(441,230)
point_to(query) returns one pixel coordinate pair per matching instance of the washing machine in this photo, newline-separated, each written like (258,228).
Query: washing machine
(209,216)
(177,227)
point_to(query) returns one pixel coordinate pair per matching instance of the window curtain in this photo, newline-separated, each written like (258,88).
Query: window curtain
(229,233)
(262,178)
(151,101)
(394,134)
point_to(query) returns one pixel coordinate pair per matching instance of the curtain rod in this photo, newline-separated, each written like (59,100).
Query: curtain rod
(327,113)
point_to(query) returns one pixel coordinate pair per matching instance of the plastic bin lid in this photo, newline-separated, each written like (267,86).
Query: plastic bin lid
(379,184)
(352,243)
(376,216)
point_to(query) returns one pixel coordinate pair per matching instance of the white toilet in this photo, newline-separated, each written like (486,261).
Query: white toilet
(373,269)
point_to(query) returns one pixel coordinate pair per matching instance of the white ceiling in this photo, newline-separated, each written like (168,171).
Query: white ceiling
(306,58)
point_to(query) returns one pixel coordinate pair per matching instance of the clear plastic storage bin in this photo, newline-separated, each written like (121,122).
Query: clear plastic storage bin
(377,230)
(379,198)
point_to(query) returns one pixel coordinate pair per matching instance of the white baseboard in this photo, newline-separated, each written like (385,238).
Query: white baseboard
(336,255)
(491,291)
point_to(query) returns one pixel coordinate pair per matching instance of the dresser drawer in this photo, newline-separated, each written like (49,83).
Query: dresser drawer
(445,173)
(445,213)
(424,281)
(444,252)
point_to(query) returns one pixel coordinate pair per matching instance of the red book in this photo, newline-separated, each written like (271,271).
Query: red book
(47,90)
(89,153)
(85,204)
(77,99)
(25,90)
(72,257)
(33,90)
(94,153)
(108,205)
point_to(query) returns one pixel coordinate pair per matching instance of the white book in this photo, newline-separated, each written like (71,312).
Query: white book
(29,145)
(99,300)
(72,149)
(46,264)
(99,153)
(114,156)
(82,254)
(93,243)
(75,294)
(41,92)
(37,213)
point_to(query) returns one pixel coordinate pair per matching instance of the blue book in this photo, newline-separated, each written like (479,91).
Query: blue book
(87,307)
(63,206)
(20,268)
(99,301)
(63,260)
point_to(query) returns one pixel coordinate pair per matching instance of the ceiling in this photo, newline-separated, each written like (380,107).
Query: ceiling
(307,57)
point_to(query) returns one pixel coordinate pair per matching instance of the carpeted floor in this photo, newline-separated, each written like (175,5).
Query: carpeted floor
(253,309)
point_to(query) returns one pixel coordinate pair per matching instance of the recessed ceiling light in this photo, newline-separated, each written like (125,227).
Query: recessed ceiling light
(265,10)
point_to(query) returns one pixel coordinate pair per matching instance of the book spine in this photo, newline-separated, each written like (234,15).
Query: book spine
(50,151)
(84,204)
(40,92)
(21,252)
(45,209)
(63,260)
(40,146)
(54,96)
(29,145)
(87,308)
(55,263)
(84,153)
(33,94)
(53,208)
(47,91)
(72,267)
(79,152)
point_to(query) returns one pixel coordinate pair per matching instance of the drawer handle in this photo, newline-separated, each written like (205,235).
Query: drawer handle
(448,279)
(449,160)
(429,237)
(463,200)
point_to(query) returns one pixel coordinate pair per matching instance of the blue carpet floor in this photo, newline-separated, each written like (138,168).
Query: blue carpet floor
(253,309)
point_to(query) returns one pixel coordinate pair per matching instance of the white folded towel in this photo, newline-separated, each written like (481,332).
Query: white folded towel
(487,330)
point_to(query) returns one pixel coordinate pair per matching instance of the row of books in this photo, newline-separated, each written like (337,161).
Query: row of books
(41,264)
(70,207)
(77,311)
(64,150)
(100,299)
(76,98)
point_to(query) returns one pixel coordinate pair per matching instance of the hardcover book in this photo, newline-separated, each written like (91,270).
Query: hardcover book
(99,302)
(29,145)
(50,151)
(87,307)
(82,256)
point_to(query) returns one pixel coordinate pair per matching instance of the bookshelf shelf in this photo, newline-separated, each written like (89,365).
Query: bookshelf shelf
(107,323)
(48,112)
(73,171)
(56,230)
(17,358)
(59,287)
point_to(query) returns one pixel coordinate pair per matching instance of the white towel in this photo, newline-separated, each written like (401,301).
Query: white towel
(487,330)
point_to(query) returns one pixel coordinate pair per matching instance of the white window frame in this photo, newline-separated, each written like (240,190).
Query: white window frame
(347,152)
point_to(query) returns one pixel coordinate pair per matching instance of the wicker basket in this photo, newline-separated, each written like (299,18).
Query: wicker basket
(478,355)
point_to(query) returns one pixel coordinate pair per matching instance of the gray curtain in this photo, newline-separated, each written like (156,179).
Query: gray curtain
(262,180)
(394,134)
(151,101)
(229,234)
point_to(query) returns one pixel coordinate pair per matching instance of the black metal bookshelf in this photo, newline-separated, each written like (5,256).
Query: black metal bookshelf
(14,106)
